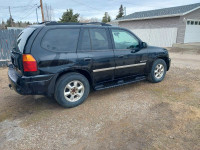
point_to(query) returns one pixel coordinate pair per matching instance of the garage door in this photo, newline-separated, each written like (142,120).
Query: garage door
(163,37)
(192,32)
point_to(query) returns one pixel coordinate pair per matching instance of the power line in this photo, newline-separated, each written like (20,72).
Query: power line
(29,4)
(28,14)
(30,10)
(86,5)
(14,7)
(124,2)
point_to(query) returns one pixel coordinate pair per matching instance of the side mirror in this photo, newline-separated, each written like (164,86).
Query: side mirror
(144,45)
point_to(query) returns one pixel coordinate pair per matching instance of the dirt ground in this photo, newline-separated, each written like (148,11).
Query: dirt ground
(138,116)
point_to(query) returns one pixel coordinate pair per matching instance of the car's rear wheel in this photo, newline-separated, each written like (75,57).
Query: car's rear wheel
(71,90)
(158,71)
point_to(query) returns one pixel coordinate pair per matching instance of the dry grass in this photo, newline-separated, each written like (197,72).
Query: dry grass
(137,116)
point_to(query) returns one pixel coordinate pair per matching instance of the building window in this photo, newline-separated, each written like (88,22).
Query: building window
(192,22)
(199,22)
(188,22)
(196,22)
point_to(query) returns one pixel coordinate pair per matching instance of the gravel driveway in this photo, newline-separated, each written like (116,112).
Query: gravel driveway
(136,116)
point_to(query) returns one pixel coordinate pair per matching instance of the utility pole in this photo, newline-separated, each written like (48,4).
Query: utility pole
(37,14)
(42,10)
(36,11)
(10,17)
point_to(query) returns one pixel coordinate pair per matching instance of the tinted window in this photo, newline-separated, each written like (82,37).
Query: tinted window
(124,39)
(85,40)
(99,39)
(22,38)
(61,40)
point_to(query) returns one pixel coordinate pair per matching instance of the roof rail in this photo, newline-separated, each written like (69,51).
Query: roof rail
(74,23)
(44,22)
(98,23)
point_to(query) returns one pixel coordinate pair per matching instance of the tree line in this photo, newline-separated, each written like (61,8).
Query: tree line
(67,16)
(11,23)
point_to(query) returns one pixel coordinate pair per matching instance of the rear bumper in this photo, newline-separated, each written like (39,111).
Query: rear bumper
(33,85)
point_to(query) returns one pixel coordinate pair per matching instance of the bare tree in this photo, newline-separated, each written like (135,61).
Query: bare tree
(95,20)
(48,13)
(85,20)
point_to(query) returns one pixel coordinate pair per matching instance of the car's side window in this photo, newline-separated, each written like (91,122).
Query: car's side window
(99,39)
(124,39)
(61,40)
(85,44)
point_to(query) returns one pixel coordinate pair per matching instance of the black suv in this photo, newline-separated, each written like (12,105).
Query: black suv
(67,60)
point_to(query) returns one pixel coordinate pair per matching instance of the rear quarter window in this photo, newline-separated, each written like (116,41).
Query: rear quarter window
(61,40)
(23,37)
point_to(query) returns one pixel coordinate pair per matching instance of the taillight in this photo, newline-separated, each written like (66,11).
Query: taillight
(29,63)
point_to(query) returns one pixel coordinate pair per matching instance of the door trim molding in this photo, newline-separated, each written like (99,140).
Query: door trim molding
(132,65)
(119,67)
(103,69)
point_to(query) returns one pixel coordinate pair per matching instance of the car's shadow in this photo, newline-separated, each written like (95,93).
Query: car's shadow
(20,106)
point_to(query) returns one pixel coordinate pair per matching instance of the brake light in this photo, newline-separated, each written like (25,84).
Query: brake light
(29,63)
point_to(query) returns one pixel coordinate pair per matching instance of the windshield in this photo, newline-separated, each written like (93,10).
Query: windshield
(22,38)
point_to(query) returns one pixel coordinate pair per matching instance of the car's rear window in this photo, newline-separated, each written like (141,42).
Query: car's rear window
(22,38)
(61,40)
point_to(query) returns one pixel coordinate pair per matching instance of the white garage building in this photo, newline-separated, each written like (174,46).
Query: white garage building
(163,27)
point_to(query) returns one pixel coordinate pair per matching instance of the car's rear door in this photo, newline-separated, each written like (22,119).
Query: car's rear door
(55,48)
(130,57)
(96,54)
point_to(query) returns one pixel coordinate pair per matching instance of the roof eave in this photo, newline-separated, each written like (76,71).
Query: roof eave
(165,16)
(145,18)
(191,10)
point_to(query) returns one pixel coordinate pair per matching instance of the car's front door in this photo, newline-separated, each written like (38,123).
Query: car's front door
(130,57)
(95,53)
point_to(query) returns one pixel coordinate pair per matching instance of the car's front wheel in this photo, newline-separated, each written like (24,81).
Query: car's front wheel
(71,90)
(158,71)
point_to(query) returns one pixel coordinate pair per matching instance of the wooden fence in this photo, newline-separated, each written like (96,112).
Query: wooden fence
(7,41)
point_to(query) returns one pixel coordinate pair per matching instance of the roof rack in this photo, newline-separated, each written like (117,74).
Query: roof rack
(74,23)
(44,22)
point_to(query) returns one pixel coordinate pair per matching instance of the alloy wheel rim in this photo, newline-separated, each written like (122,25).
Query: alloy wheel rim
(159,71)
(74,90)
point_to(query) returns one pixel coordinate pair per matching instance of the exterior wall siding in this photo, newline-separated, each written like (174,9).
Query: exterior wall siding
(169,22)
(182,24)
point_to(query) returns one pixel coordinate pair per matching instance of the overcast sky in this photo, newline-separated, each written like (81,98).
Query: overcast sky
(25,10)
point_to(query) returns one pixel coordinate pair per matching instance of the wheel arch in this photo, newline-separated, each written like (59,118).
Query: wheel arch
(52,85)
(166,61)
(159,57)
(83,72)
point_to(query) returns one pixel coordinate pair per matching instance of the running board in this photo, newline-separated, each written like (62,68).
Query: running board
(119,83)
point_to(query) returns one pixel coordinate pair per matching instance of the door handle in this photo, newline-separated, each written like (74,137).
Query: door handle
(133,51)
(121,56)
(87,59)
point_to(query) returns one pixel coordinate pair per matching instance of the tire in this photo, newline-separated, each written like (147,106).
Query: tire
(71,90)
(158,71)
